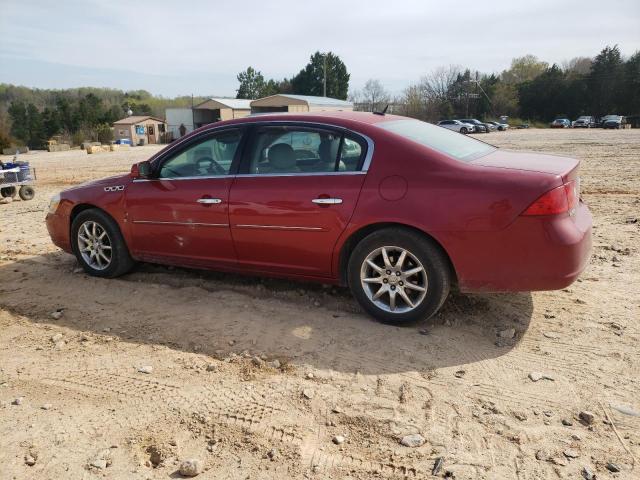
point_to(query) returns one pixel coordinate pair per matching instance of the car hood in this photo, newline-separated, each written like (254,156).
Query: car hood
(528,161)
(100,182)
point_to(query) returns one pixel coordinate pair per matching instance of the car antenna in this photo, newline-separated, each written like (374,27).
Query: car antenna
(383,111)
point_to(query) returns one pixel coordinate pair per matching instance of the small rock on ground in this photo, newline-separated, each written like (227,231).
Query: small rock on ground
(413,440)
(307,393)
(190,467)
(587,417)
(18,401)
(612,467)
(507,333)
(145,369)
(570,453)
(338,439)
(56,338)
(588,474)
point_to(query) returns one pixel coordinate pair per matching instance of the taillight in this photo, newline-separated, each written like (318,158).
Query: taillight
(559,200)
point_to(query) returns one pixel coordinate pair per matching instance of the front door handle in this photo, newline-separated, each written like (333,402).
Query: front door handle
(209,201)
(327,201)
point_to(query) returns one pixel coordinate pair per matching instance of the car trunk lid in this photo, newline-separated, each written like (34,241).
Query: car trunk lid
(556,165)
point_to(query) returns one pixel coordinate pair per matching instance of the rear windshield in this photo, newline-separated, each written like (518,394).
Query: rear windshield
(446,141)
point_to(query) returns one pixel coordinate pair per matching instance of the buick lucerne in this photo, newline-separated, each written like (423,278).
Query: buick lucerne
(397,209)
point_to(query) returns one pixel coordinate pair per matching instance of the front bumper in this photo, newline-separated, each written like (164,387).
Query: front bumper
(533,253)
(58,227)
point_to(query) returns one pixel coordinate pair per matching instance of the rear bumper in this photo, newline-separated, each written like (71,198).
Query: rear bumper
(533,253)
(58,227)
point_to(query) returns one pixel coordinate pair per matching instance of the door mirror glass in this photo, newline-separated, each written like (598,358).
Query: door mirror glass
(141,170)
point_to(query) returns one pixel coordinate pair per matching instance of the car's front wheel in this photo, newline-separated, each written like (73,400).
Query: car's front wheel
(99,245)
(399,276)
(464,131)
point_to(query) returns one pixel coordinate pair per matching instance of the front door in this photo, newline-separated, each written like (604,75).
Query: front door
(181,214)
(295,195)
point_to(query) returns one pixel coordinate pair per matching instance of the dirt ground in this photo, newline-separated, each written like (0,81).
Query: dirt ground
(254,377)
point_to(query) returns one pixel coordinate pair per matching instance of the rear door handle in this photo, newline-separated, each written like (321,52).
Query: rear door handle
(209,201)
(327,201)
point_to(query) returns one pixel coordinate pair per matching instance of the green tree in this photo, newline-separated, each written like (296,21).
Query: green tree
(631,89)
(606,81)
(51,122)
(19,122)
(524,69)
(545,97)
(310,80)
(252,84)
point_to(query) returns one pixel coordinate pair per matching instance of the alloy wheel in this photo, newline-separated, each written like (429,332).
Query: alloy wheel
(394,279)
(94,245)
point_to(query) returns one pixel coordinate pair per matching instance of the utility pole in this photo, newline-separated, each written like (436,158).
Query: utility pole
(324,83)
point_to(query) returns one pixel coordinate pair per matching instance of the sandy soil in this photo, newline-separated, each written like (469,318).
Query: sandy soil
(255,377)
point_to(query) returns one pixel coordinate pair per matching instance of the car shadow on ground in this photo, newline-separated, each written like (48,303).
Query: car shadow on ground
(215,314)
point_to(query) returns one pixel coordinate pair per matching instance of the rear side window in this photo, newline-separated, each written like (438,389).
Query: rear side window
(291,150)
(453,144)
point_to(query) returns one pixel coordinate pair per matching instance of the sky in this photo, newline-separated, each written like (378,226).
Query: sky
(198,47)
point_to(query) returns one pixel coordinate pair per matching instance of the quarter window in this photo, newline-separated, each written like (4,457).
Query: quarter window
(210,157)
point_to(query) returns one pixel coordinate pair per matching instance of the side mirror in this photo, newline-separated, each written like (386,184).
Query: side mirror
(141,170)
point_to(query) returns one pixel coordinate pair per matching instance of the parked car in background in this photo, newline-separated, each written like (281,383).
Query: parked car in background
(323,197)
(457,126)
(560,123)
(584,121)
(480,127)
(499,126)
(613,121)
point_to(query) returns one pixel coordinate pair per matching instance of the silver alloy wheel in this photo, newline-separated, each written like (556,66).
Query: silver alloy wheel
(94,245)
(394,279)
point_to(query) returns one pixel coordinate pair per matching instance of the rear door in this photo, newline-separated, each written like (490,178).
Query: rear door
(295,194)
(181,214)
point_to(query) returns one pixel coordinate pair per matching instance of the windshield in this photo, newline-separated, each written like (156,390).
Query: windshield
(451,143)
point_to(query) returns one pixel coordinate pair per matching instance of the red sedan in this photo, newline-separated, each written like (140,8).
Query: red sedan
(395,208)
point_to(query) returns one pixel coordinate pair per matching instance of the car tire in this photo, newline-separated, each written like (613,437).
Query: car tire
(27,192)
(99,245)
(421,253)
(8,192)
(463,131)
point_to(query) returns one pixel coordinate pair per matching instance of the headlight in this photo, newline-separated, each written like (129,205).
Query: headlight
(54,202)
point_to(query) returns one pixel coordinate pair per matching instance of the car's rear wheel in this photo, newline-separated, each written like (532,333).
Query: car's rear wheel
(464,131)
(99,245)
(399,276)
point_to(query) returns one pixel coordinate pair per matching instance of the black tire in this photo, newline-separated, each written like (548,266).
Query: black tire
(463,131)
(8,192)
(27,192)
(120,262)
(429,254)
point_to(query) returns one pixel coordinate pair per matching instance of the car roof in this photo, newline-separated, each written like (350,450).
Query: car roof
(345,119)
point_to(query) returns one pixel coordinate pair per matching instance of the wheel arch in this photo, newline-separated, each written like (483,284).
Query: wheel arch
(81,207)
(355,237)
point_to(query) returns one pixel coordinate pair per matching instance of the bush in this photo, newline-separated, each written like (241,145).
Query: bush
(104,133)
(5,141)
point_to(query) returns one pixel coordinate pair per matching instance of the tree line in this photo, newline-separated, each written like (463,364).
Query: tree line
(33,116)
(530,89)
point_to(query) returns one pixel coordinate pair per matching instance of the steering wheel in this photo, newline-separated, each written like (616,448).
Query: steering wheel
(213,167)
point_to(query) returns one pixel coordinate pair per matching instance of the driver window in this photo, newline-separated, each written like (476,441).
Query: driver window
(207,158)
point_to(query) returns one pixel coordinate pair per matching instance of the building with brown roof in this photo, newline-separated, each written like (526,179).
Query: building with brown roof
(140,130)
